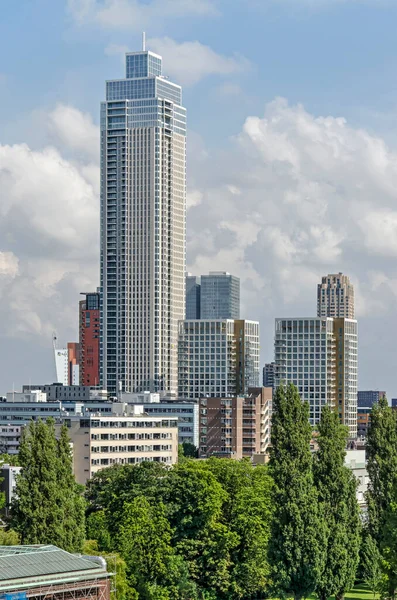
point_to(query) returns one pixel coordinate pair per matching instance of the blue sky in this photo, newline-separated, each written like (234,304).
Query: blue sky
(280,191)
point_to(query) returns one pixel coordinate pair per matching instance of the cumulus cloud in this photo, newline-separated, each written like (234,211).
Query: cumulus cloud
(136,14)
(49,236)
(189,62)
(75,129)
(8,264)
(315,195)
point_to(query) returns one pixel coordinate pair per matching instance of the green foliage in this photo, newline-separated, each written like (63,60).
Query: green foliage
(189,450)
(97,529)
(371,562)
(336,487)
(197,531)
(145,544)
(9,537)
(298,533)
(381,448)
(48,507)
(110,488)
(248,511)
(120,586)
(9,459)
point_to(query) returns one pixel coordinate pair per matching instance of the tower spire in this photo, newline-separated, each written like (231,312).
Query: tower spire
(143,41)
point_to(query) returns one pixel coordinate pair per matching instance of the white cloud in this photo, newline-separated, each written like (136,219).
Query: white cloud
(315,196)
(189,62)
(8,264)
(135,14)
(75,129)
(49,218)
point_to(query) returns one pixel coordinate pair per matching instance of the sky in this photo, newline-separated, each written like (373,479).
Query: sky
(292,159)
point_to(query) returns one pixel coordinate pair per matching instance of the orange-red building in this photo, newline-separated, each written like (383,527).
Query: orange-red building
(89,339)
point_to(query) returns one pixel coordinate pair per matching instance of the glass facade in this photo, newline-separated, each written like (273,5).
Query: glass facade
(143,213)
(192,297)
(319,356)
(220,296)
(218,358)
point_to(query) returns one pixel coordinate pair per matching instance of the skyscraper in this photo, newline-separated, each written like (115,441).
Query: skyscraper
(319,356)
(218,358)
(192,296)
(335,297)
(220,296)
(143,210)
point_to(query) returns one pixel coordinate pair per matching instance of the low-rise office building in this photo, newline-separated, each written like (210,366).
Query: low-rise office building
(132,437)
(187,414)
(58,391)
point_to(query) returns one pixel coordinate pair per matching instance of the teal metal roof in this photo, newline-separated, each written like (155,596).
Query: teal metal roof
(18,562)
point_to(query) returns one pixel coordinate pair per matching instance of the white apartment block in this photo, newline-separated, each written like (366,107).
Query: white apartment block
(103,441)
(319,356)
(217,358)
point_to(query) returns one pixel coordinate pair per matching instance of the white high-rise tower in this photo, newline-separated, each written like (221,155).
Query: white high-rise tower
(143,214)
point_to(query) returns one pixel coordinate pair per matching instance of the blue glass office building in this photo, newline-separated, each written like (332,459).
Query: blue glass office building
(143,214)
(192,297)
(220,296)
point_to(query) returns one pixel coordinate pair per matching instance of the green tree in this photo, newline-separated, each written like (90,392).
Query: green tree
(247,511)
(47,507)
(189,450)
(9,537)
(36,514)
(144,541)
(70,496)
(111,488)
(336,487)
(194,501)
(381,448)
(297,541)
(371,564)
(97,529)
(120,588)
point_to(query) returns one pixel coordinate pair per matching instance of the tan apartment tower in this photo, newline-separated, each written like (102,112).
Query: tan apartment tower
(236,427)
(335,297)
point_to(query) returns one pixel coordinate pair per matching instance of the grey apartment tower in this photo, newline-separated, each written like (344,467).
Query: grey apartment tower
(220,296)
(143,214)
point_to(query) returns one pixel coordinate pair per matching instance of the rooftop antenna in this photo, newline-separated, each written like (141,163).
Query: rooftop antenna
(143,41)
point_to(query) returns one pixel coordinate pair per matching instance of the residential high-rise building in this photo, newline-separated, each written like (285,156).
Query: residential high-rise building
(368,398)
(319,356)
(192,296)
(89,336)
(143,213)
(335,297)
(218,358)
(268,375)
(236,427)
(220,296)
